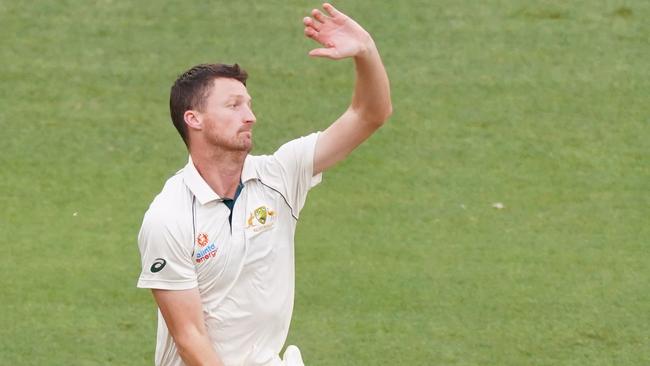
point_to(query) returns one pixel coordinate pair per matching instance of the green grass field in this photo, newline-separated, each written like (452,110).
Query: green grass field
(543,106)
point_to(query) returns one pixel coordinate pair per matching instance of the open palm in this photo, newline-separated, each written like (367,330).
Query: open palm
(340,35)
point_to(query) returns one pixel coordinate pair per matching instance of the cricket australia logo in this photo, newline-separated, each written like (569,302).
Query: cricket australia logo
(261,219)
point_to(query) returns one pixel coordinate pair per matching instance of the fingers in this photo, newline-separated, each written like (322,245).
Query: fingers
(322,18)
(309,22)
(324,52)
(313,34)
(312,29)
(331,10)
(310,32)
(318,15)
(318,25)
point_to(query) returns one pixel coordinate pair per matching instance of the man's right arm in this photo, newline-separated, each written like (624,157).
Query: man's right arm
(183,315)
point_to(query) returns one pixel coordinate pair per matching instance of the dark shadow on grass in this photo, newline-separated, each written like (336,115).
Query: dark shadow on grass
(540,14)
(623,12)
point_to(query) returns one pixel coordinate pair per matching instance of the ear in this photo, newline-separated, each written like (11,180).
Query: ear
(193,120)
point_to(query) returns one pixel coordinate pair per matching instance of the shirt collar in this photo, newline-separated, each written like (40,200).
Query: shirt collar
(195,182)
(248,172)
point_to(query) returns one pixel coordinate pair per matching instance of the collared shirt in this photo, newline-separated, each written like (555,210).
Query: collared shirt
(244,271)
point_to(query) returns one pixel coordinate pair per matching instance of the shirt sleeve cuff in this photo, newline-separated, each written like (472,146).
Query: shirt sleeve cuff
(316,179)
(167,285)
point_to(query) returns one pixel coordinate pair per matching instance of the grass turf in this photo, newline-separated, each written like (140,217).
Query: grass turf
(401,258)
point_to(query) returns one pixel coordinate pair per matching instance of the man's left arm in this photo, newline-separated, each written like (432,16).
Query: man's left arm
(341,37)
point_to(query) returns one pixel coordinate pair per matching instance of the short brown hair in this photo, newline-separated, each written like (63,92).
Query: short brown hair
(191,90)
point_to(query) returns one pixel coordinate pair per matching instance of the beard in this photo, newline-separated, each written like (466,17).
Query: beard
(240,142)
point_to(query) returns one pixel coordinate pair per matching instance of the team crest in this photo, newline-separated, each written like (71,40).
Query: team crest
(260,214)
(261,219)
(202,239)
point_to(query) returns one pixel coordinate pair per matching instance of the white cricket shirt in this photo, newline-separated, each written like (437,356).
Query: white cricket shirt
(245,275)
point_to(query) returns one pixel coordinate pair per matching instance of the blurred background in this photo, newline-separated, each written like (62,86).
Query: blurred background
(501,217)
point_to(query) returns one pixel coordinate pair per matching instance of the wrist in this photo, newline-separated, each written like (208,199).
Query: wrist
(367,49)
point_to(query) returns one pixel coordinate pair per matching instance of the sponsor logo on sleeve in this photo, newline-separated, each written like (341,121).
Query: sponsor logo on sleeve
(158,265)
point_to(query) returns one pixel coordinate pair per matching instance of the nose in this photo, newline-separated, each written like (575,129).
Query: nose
(249,117)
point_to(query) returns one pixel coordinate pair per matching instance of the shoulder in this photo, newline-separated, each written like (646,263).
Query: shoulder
(170,205)
(294,150)
(300,145)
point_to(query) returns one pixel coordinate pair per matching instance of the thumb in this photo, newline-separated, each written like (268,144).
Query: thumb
(323,52)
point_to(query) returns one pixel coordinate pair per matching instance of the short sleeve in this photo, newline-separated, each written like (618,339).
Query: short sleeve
(291,170)
(166,259)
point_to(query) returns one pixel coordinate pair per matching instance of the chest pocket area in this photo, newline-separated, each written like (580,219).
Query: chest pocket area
(261,219)
(213,258)
(262,228)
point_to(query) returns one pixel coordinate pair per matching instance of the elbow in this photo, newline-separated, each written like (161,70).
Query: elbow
(384,114)
(376,117)
(389,111)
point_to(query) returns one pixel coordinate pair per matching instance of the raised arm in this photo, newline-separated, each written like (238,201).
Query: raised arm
(183,315)
(342,37)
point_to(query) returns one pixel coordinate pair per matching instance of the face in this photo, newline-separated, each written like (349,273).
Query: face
(227,118)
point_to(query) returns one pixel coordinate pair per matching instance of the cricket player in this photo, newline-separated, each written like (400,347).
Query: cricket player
(217,243)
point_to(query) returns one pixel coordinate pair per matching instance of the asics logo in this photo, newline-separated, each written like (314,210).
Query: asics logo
(158,265)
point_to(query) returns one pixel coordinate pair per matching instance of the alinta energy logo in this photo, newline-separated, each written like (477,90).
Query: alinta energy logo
(202,239)
(208,251)
(158,265)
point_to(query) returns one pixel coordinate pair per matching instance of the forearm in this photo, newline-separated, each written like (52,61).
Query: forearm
(183,315)
(342,37)
(196,349)
(371,99)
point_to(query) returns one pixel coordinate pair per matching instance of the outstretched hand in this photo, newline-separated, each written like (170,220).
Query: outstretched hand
(340,35)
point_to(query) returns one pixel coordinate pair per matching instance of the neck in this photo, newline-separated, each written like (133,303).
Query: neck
(220,169)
